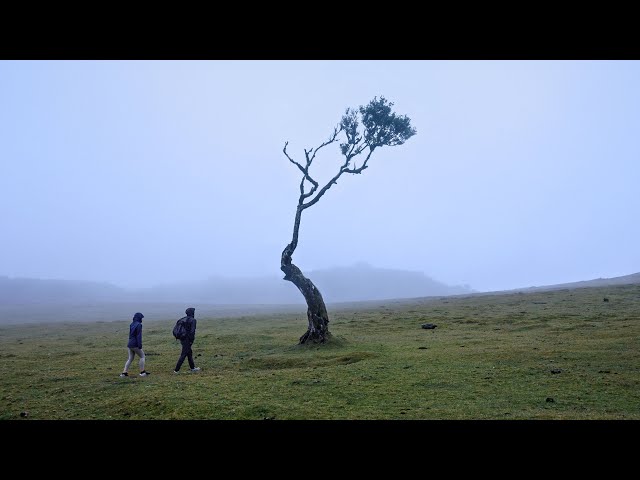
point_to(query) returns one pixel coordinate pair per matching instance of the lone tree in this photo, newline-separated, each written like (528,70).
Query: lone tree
(365,129)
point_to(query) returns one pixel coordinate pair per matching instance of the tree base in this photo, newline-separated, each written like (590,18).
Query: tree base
(312,338)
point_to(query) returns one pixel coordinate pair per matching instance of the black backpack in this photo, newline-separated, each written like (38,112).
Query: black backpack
(180,329)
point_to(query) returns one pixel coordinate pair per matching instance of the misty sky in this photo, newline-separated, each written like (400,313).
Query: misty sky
(144,172)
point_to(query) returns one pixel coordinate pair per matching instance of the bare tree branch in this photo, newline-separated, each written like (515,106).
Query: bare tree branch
(284,150)
(309,160)
(332,139)
(343,169)
(329,184)
(311,192)
(356,170)
(364,164)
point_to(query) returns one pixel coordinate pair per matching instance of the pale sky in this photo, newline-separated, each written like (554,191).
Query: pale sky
(137,173)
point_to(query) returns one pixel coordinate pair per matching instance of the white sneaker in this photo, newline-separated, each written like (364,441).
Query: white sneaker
(124,374)
(197,369)
(143,374)
(175,372)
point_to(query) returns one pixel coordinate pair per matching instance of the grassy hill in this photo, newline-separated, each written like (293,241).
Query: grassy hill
(561,354)
(634,278)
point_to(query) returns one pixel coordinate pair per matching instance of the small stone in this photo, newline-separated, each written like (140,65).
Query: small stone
(550,400)
(428,326)
(24,414)
(556,370)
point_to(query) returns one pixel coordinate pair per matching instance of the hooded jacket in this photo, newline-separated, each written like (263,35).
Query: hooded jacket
(190,323)
(135,331)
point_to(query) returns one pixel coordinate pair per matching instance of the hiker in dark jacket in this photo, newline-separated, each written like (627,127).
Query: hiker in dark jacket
(135,345)
(187,341)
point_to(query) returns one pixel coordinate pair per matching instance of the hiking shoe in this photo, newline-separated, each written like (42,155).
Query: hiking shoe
(196,369)
(124,374)
(144,374)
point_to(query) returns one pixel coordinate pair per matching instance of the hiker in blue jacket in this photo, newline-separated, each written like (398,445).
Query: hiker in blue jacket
(135,345)
(187,340)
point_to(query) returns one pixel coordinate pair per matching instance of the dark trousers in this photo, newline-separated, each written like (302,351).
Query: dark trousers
(186,352)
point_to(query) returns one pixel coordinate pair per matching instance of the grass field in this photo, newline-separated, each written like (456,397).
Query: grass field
(563,354)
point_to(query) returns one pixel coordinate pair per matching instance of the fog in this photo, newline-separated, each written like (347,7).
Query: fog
(144,173)
(359,282)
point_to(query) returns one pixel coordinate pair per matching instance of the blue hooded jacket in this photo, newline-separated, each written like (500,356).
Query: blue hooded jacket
(135,331)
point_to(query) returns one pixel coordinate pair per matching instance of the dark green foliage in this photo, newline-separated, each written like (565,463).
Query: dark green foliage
(382,127)
(349,125)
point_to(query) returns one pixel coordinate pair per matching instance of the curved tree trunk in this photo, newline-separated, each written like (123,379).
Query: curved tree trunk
(382,127)
(318,329)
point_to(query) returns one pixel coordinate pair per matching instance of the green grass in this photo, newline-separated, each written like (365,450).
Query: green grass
(490,357)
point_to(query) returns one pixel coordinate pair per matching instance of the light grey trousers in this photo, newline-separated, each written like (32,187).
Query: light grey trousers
(132,353)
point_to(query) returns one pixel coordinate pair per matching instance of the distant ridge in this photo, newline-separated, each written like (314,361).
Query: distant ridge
(359,282)
(38,290)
